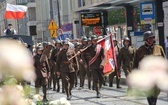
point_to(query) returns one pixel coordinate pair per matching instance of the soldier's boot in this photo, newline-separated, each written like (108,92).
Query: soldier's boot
(54,84)
(58,84)
(150,101)
(93,85)
(118,83)
(67,89)
(89,83)
(155,101)
(45,93)
(63,87)
(97,90)
(49,83)
(37,90)
(111,80)
(104,82)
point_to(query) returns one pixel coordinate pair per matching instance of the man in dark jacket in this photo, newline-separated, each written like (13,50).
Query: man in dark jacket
(149,48)
(66,68)
(96,63)
(42,71)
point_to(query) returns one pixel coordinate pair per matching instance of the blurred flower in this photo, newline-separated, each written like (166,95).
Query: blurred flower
(61,101)
(12,95)
(37,98)
(152,72)
(16,60)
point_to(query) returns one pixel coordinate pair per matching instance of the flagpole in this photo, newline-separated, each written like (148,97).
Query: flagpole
(18,25)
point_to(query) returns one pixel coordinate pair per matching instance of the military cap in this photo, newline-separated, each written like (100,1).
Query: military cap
(100,37)
(45,43)
(66,42)
(58,42)
(89,39)
(84,38)
(49,44)
(148,34)
(94,37)
(39,48)
(126,39)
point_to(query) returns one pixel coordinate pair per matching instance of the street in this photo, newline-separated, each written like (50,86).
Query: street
(110,96)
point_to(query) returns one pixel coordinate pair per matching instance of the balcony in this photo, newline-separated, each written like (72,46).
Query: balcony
(25,2)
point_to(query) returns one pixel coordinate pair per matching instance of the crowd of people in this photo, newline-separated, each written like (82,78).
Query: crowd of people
(67,60)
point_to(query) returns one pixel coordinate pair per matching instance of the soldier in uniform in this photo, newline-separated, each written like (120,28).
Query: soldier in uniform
(66,68)
(149,48)
(83,65)
(126,58)
(96,63)
(48,53)
(77,48)
(117,71)
(55,77)
(42,71)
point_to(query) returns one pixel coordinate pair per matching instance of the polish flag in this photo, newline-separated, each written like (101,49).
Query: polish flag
(15,11)
(110,60)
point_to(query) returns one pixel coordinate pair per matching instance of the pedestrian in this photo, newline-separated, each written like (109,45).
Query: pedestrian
(65,67)
(42,71)
(96,63)
(117,71)
(126,58)
(10,30)
(149,48)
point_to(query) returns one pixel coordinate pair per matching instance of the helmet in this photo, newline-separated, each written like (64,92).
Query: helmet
(89,39)
(126,39)
(39,48)
(45,43)
(94,37)
(84,39)
(147,34)
(100,37)
(49,44)
(66,42)
(58,42)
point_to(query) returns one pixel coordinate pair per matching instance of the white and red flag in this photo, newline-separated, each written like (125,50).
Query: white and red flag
(110,58)
(15,11)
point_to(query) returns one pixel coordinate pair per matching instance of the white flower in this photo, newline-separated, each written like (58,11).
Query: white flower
(11,95)
(61,101)
(152,72)
(16,60)
(37,98)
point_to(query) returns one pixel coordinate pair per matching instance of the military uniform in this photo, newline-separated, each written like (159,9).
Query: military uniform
(55,77)
(83,66)
(42,71)
(67,70)
(146,50)
(86,68)
(126,57)
(96,71)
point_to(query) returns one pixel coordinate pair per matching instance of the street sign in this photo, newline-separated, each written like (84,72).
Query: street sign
(52,25)
(53,33)
(97,30)
(60,31)
(91,19)
(147,13)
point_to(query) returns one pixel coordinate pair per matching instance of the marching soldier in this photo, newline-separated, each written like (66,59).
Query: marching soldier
(149,48)
(48,52)
(55,77)
(126,57)
(96,63)
(117,71)
(42,71)
(77,48)
(66,68)
(83,66)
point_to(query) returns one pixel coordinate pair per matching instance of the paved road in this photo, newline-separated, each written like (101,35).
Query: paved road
(110,96)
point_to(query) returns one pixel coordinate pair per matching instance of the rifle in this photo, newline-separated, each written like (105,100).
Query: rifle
(79,52)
